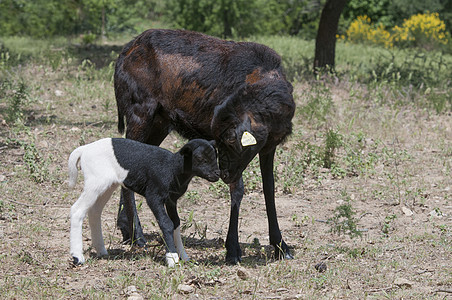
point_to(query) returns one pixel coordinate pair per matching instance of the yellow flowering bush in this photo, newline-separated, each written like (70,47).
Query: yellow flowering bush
(358,31)
(422,30)
(361,30)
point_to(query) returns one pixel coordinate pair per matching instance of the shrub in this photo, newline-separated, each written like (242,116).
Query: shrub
(361,30)
(421,30)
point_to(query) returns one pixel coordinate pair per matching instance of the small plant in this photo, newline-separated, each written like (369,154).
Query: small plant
(17,96)
(37,166)
(89,38)
(333,140)
(292,164)
(192,196)
(319,105)
(343,221)
(387,224)
(219,189)
(252,176)
(200,230)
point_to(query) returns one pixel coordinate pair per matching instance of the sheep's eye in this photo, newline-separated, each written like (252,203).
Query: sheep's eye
(231,138)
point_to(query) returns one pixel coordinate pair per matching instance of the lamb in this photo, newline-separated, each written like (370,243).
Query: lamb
(159,175)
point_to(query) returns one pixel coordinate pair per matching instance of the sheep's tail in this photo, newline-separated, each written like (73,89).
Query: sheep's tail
(121,125)
(72,166)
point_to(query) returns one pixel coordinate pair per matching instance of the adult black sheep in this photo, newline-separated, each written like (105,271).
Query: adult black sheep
(205,87)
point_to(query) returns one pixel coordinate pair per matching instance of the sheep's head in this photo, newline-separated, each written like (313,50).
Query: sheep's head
(256,118)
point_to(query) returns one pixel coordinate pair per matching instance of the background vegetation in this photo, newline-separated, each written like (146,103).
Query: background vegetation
(363,184)
(221,18)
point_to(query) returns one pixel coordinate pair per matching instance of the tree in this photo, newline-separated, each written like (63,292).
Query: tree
(325,42)
(225,18)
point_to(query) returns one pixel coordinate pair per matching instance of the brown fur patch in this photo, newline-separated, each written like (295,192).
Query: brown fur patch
(253,77)
(193,92)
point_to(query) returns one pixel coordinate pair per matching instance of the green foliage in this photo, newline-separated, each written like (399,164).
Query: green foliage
(45,18)
(386,228)
(319,104)
(333,140)
(36,164)
(292,164)
(390,13)
(17,97)
(36,18)
(343,221)
(412,67)
(242,18)
(220,18)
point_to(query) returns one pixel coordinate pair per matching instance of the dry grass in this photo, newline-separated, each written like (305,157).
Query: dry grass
(393,167)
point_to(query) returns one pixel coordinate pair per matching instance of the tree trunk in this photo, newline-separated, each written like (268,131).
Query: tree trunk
(325,43)
(227,30)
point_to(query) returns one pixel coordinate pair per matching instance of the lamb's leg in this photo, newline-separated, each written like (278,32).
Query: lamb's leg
(155,203)
(171,208)
(78,212)
(94,217)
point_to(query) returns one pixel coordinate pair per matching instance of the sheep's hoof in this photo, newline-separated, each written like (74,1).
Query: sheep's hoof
(282,251)
(286,255)
(233,260)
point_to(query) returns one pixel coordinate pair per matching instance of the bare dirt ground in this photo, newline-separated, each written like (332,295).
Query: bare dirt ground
(402,198)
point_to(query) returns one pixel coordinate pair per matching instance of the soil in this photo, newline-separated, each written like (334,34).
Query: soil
(402,203)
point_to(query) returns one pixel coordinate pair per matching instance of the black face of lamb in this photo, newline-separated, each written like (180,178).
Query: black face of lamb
(208,88)
(201,159)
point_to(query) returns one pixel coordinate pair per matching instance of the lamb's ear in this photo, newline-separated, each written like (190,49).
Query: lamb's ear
(187,152)
(213,143)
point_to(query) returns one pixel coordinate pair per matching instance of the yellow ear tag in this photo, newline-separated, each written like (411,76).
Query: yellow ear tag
(248,139)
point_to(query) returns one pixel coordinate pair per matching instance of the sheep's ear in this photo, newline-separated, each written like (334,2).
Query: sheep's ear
(213,143)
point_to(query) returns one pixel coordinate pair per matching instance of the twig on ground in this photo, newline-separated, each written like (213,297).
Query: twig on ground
(443,291)
(32,204)
(379,289)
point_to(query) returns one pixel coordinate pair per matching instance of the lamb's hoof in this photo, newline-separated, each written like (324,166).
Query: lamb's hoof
(172,259)
(76,261)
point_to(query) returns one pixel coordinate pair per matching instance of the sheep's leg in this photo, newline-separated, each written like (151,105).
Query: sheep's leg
(233,251)
(78,212)
(149,128)
(268,182)
(94,217)
(132,231)
(171,208)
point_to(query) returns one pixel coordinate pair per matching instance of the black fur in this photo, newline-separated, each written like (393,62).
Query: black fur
(204,87)
(162,177)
